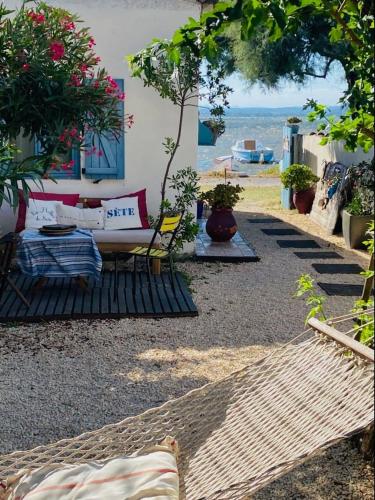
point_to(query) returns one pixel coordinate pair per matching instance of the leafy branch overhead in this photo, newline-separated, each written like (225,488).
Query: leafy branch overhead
(349,27)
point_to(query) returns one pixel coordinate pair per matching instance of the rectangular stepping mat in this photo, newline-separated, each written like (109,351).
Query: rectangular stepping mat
(342,289)
(318,255)
(298,244)
(337,268)
(282,232)
(235,250)
(62,298)
(264,220)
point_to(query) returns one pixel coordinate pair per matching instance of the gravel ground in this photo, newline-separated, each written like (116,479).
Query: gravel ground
(60,379)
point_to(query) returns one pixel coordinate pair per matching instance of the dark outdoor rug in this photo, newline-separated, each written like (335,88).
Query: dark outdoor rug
(342,289)
(298,244)
(337,268)
(318,255)
(264,220)
(281,232)
(63,299)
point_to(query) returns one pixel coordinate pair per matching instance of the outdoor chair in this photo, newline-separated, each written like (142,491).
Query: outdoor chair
(167,226)
(7,248)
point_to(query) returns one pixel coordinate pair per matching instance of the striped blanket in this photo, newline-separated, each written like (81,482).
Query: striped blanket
(58,256)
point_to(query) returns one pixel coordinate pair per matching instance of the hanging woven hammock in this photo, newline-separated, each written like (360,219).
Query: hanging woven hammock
(240,433)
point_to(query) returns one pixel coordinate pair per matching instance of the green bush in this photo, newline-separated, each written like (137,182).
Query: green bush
(298,177)
(362,178)
(355,206)
(223,196)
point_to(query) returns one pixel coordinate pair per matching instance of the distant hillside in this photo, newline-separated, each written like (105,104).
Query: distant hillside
(290,111)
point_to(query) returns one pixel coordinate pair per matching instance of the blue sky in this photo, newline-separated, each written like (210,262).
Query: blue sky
(327,91)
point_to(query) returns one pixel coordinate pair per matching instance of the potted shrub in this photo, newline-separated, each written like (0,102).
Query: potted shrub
(216,128)
(221,224)
(359,211)
(293,122)
(301,179)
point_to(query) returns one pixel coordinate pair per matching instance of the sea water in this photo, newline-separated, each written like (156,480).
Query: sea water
(263,124)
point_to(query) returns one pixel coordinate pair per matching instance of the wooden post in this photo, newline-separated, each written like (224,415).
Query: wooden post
(360,349)
(156,266)
(367,287)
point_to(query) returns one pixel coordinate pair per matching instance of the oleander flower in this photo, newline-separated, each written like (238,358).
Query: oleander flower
(56,50)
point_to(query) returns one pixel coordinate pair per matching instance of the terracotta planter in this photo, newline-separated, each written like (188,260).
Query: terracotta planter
(303,200)
(354,229)
(221,224)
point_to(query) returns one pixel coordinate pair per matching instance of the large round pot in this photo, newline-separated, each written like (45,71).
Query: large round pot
(221,224)
(303,200)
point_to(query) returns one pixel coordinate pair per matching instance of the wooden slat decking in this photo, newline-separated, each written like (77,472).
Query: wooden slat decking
(62,299)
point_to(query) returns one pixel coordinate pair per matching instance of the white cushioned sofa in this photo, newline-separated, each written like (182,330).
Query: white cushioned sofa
(115,241)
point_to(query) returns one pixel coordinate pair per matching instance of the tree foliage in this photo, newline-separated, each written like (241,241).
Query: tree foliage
(298,56)
(352,24)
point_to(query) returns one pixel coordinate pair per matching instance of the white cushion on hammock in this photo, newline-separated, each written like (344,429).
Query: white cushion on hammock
(152,475)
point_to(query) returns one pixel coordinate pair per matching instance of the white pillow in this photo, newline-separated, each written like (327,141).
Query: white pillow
(41,213)
(152,475)
(84,218)
(122,213)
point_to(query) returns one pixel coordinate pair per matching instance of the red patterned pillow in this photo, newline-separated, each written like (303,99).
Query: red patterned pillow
(67,199)
(142,204)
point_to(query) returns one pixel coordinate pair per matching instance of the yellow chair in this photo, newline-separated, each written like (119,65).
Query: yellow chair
(167,225)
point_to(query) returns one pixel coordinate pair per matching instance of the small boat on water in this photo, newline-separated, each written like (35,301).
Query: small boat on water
(251,151)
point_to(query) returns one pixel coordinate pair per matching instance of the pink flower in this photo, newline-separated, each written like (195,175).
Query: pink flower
(100,153)
(112,82)
(26,67)
(91,42)
(121,96)
(73,132)
(97,59)
(71,163)
(69,26)
(53,166)
(109,90)
(83,68)
(36,18)
(62,138)
(75,81)
(56,50)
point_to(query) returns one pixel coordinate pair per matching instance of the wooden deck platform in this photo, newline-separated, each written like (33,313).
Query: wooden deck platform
(63,299)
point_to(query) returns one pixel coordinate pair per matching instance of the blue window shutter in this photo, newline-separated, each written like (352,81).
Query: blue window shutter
(73,173)
(111,163)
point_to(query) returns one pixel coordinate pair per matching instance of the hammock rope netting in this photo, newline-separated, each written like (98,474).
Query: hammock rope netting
(238,434)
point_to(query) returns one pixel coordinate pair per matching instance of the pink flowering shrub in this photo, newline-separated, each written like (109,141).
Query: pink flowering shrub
(51,86)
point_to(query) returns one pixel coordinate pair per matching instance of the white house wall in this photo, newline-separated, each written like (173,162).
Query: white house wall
(122,27)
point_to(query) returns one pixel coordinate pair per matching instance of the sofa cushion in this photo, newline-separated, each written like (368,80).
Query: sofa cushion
(122,213)
(151,473)
(85,218)
(142,204)
(67,199)
(40,213)
(131,236)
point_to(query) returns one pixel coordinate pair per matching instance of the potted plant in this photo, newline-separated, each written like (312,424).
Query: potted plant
(221,225)
(217,127)
(359,211)
(293,122)
(301,179)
